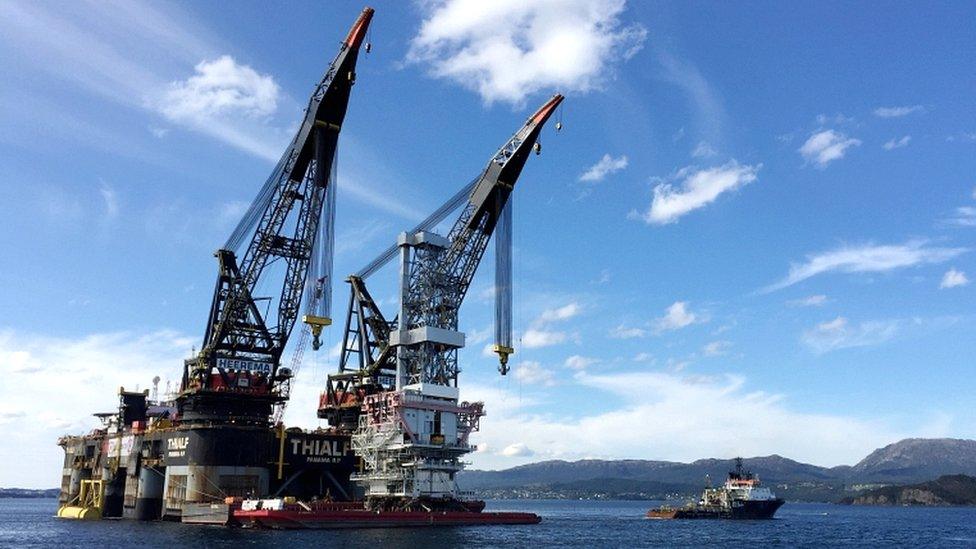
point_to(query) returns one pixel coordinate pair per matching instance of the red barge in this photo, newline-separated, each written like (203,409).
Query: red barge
(334,515)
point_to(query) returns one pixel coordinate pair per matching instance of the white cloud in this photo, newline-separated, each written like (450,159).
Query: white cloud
(716,348)
(677,316)
(626,332)
(533,373)
(539,335)
(953,278)
(507,50)
(839,334)
(606,166)
(220,87)
(232,211)
(534,338)
(703,150)
(838,118)
(111,200)
(811,301)
(643,357)
(676,365)
(969,137)
(228,101)
(897,143)
(965,217)
(518,449)
(86,48)
(476,336)
(866,259)
(895,112)
(10,416)
(709,113)
(88,368)
(578,362)
(158,132)
(723,403)
(826,146)
(353,185)
(696,189)
(562,313)
(81,44)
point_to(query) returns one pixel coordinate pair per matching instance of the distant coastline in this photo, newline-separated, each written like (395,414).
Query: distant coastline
(947,490)
(909,462)
(28,493)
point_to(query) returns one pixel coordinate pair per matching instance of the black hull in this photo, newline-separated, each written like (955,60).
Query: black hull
(740,510)
(154,474)
(756,510)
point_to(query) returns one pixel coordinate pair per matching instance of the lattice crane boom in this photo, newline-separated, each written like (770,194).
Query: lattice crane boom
(439,279)
(400,400)
(434,281)
(288,233)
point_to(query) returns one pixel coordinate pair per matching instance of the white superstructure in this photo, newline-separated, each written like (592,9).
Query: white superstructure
(411,441)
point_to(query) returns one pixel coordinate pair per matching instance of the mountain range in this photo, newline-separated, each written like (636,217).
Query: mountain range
(909,460)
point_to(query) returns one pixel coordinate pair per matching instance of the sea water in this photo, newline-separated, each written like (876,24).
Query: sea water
(31,523)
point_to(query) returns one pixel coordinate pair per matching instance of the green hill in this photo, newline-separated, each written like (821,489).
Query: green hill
(943,491)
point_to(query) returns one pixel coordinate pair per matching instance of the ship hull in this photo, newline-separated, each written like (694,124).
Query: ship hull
(741,510)
(361,518)
(158,473)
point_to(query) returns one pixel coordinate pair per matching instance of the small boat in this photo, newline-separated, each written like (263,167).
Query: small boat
(742,497)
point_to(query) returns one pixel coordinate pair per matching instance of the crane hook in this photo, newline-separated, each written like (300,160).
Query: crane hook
(537,148)
(503,353)
(369,47)
(315,325)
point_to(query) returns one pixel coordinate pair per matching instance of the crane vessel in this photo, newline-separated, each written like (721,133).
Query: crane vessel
(396,391)
(217,451)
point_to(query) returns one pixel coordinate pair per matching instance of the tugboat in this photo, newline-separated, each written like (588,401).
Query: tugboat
(742,497)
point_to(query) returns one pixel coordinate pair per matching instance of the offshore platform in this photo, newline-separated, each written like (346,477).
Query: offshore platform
(217,452)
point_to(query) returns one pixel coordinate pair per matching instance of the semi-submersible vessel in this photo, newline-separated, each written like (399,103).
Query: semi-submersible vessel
(217,451)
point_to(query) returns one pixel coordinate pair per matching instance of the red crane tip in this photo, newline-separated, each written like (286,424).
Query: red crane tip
(358,31)
(546,110)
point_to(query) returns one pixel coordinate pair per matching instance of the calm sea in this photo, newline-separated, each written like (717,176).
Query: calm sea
(30,523)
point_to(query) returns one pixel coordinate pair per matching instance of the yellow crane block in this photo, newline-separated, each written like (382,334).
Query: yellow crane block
(503,354)
(90,501)
(316,323)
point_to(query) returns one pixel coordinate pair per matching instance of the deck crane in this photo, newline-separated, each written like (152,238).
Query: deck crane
(237,375)
(396,389)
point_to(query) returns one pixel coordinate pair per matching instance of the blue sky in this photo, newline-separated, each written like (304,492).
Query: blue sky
(754,234)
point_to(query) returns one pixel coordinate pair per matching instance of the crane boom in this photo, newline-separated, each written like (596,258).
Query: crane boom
(368,358)
(440,276)
(396,389)
(411,431)
(243,342)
